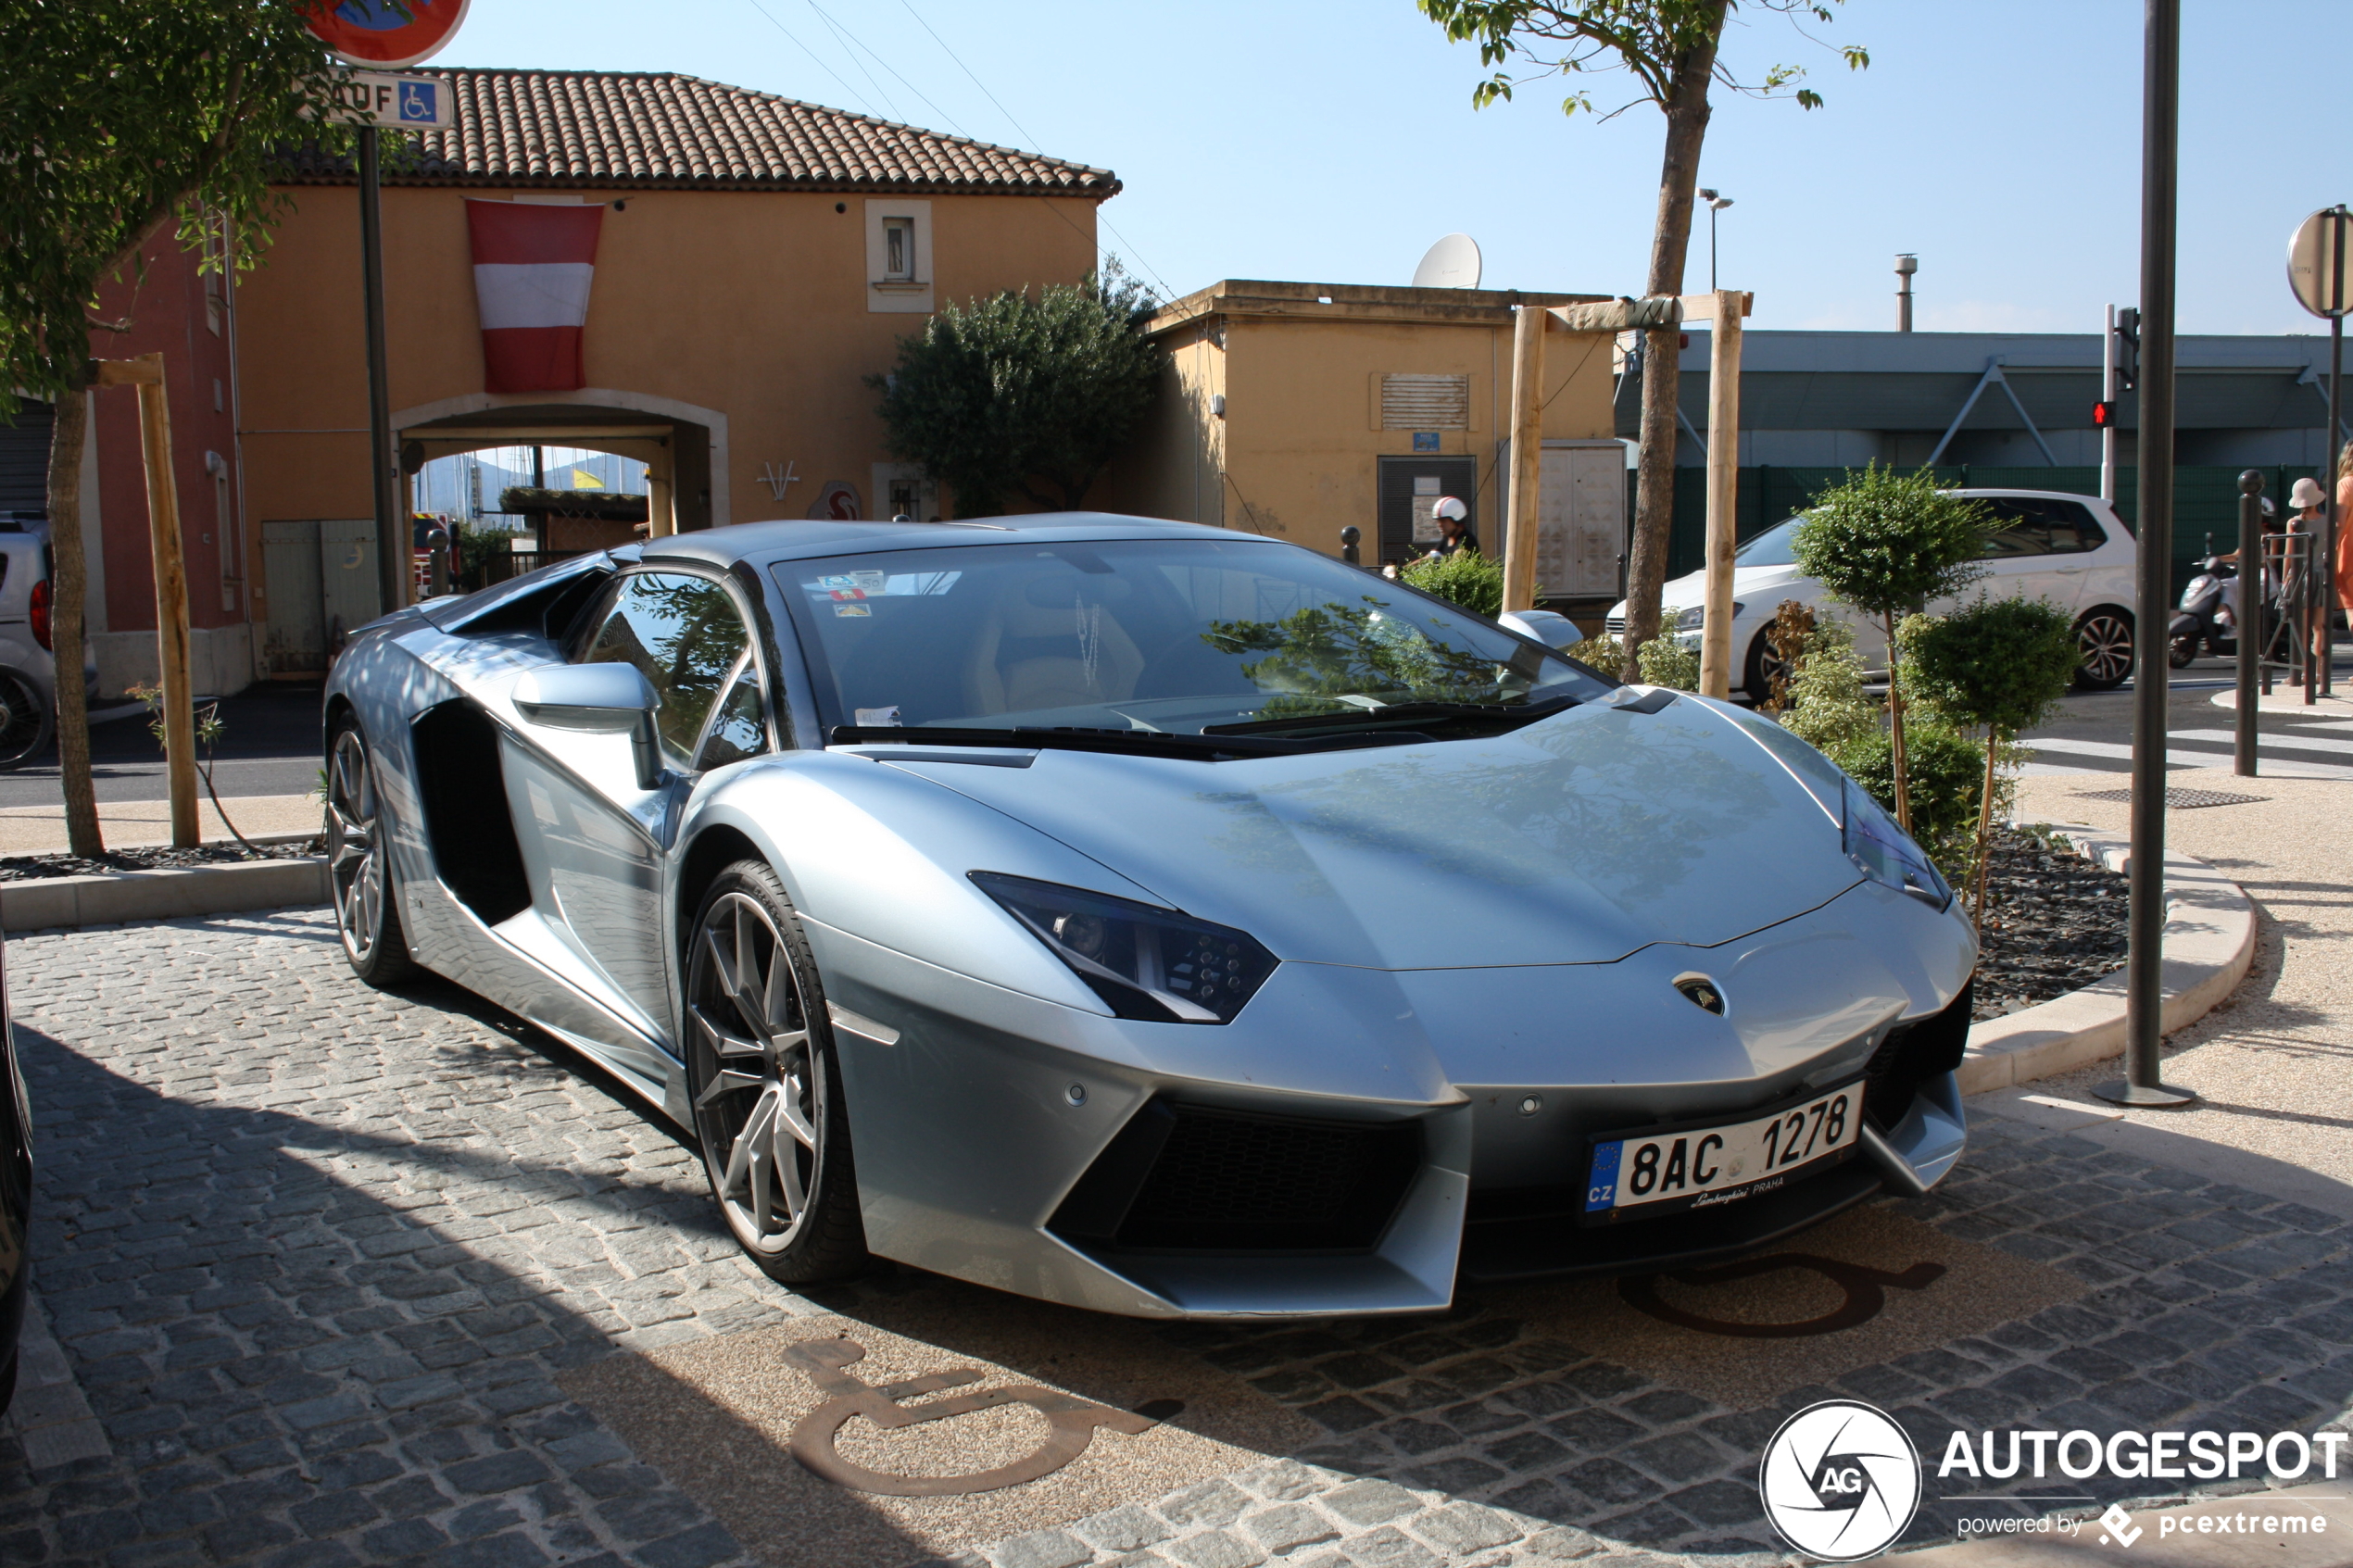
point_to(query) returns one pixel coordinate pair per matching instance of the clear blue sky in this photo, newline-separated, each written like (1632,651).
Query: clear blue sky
(1333,140)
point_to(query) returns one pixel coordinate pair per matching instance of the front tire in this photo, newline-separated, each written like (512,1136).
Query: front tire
(2104,639)
(358,865)
(765,1084)
(1764,665)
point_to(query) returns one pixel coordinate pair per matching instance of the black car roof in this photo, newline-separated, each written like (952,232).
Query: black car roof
(802,539)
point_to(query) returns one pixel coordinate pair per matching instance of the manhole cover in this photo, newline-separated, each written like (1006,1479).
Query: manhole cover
(2180,800)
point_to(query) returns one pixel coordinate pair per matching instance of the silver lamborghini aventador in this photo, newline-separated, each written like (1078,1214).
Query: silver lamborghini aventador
(1149,917)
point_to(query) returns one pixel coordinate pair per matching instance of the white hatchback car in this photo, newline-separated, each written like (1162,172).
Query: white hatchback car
(2072,550)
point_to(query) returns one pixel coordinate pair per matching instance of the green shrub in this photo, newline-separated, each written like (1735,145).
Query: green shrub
(1466,578)
(1887,543)
(1826,705)
(1666,662)
(1998,664)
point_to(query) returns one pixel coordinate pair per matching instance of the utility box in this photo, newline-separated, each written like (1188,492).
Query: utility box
(322,587)
(1580,520)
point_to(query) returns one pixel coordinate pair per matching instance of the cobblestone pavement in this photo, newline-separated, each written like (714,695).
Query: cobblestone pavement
(315,1254)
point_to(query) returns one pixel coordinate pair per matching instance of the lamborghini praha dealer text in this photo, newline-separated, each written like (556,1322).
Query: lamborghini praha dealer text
(1148,917)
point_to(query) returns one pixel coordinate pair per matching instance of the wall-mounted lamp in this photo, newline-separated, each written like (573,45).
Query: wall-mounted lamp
(1218,405)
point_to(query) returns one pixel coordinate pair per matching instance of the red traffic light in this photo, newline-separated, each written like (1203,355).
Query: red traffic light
(2103,415)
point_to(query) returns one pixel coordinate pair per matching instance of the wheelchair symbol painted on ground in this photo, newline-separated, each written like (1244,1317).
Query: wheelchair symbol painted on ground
(1866,1291)
(1073,1423)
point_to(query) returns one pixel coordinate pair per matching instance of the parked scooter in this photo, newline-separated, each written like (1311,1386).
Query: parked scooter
(2209,610)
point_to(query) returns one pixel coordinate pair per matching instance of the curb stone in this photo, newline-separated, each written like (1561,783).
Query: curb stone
(127,897)
(2209,942)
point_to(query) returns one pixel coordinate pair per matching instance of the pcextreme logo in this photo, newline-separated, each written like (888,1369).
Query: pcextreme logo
(1840,1480)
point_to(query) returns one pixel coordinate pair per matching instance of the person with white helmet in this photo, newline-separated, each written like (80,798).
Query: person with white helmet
(1454,527)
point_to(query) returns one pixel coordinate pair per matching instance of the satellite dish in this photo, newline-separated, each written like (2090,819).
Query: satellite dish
(1452,263)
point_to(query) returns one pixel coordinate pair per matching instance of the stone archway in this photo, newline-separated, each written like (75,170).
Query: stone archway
(687,443)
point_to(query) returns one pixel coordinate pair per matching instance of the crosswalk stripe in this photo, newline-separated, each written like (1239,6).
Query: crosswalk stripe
(2276,768)
(2288,740)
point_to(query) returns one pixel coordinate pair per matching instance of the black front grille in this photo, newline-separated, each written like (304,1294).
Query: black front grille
(1912,1054)
(1190,1178)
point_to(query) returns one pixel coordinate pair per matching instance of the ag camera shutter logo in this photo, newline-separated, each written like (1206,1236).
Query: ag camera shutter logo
(1840,1481)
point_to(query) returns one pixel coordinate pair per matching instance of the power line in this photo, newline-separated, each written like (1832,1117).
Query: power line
(842,37)
(880,60)
(812,53)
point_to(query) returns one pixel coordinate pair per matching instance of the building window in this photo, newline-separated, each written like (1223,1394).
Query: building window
(898,260)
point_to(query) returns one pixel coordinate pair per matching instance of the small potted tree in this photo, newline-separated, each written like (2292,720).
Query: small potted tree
(2001,664)
(1887,544)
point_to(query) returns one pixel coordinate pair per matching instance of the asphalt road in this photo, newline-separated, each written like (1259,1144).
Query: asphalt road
(2092,733)
(269,745)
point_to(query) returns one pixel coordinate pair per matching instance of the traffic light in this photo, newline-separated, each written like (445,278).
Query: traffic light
(2104,415)
(2128,348)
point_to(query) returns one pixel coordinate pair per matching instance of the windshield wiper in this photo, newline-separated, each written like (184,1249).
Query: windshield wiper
(1370,718)
(1207,747)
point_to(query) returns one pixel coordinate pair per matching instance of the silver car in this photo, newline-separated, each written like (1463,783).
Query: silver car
(28,673)
(1148,917)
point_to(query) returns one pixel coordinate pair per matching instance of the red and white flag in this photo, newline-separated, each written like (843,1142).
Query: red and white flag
(533,265)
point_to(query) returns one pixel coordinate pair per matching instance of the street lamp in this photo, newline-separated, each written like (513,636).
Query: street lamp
(1715,203)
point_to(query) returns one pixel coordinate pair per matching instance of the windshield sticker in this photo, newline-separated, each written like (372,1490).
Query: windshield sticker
(853,609)
(849,587)
(879,718)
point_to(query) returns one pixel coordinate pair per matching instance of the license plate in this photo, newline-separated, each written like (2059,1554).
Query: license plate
(1705,1167)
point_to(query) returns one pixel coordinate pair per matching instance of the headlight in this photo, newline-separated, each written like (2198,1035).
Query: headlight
(1887,854)
(1151,964)
(1694,617)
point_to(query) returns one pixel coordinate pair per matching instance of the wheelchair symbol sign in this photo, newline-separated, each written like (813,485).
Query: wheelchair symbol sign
(420,102)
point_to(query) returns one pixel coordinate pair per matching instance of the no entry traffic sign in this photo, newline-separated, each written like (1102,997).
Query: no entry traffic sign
(375,33)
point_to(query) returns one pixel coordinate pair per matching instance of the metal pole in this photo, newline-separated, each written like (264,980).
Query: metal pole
(2327,572)
(2144,981)
(392,544)
(2250,611)
(2108,397)
(1347,537)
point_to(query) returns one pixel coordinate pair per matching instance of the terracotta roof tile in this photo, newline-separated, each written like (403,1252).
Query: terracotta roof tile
(616,130)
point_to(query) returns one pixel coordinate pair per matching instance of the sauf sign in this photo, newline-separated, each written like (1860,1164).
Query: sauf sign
(412,103)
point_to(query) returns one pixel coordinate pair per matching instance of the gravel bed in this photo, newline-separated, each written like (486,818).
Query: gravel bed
(2054,921)
(150,857)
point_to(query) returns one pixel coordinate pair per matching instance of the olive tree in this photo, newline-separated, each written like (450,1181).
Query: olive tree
(1669,48)
(120,118)
(1887,544)
(1024,397)
(2001,664)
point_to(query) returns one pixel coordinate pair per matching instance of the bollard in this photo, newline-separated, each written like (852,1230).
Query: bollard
(1347,537)
(2251,612)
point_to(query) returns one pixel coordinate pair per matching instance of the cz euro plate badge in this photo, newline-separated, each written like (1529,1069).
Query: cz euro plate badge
(1647,1174)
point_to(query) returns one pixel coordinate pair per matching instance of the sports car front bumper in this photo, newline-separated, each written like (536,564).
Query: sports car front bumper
(1357,1138)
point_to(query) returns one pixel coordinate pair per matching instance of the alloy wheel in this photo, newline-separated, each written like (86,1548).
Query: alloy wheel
(2104,641)
(761,1087)
(24,721)
(354,859)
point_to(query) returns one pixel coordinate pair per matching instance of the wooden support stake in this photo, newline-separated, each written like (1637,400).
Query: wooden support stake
(145,372)
(1528,457)
(1723,489)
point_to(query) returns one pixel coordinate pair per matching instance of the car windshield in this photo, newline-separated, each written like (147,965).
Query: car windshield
(1772,546)
(1179,636)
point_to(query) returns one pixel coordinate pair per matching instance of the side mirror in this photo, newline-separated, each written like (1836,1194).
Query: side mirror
(1549,627)
(600,698)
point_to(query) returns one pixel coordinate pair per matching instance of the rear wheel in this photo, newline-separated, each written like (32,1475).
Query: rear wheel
(25,722)
(2182,650)
(2103,638)
(766,1087)
(367,915)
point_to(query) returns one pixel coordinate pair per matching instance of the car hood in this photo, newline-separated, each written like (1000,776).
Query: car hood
(1576,839)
